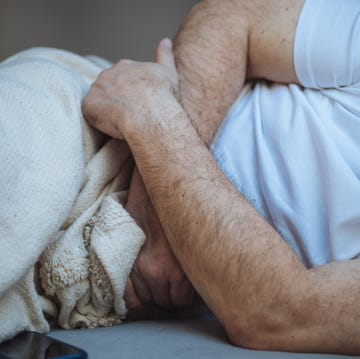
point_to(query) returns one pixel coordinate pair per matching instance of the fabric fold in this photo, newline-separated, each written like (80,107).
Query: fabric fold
(73,266)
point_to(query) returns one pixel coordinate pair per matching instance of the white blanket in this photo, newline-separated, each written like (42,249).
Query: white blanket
(67,244)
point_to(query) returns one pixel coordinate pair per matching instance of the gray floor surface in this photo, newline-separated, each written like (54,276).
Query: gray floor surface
(195,338)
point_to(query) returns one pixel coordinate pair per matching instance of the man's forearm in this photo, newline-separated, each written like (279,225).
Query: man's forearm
(248,276)
(227,255)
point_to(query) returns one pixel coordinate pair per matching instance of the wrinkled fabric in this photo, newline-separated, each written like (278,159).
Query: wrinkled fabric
(67,243)
(293,151)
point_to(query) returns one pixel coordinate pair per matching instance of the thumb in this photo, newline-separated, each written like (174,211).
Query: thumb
(165,56)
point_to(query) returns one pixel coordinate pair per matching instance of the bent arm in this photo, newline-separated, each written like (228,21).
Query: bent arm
(220,45)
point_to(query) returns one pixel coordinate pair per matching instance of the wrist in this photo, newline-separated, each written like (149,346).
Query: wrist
(159,110)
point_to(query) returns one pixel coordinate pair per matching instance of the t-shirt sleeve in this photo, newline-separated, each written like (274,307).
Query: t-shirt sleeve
(327,44)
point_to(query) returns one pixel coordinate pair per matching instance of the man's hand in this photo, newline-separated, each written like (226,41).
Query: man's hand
(157,277)
(119,102)
(122,96)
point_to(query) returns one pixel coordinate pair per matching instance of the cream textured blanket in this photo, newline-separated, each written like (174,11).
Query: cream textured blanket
(67,244)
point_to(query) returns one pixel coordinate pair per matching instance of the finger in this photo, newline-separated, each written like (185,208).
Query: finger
(165,56)
(161,295)
(141,288)
(130,297)
(182,294)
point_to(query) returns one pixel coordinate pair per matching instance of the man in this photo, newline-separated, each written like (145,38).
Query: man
(265,295)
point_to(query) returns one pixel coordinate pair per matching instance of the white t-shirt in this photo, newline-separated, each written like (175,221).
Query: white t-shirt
(293,151)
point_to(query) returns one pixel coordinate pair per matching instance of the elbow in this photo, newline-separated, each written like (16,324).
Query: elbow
(266,331)
(273,322)
(250,337)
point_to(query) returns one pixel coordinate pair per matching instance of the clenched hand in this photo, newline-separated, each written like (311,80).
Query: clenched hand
(119,101)
(157,278)
(118,104)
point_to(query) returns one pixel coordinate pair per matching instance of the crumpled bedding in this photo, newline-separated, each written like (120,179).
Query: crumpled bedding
(67,243)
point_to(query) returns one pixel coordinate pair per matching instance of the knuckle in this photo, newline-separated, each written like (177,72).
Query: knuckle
(86,106)
(123,62)
(142,261)
(154,274)
(157,274)
(146,266)
(101,74)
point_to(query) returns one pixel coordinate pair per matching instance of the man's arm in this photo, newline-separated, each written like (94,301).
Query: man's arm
(219,45)
(250,279)
(212,70)
(241,267)
(248,276)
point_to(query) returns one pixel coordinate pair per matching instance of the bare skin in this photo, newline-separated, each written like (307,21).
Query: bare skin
(250,279)
(157,277)
(209,56)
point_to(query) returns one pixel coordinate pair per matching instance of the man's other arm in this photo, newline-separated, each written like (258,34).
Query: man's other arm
(248,276)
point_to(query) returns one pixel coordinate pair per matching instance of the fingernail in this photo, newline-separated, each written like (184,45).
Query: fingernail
(166,43)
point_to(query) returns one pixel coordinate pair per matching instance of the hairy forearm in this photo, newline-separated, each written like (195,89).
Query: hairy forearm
(228,256)
(250,279)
